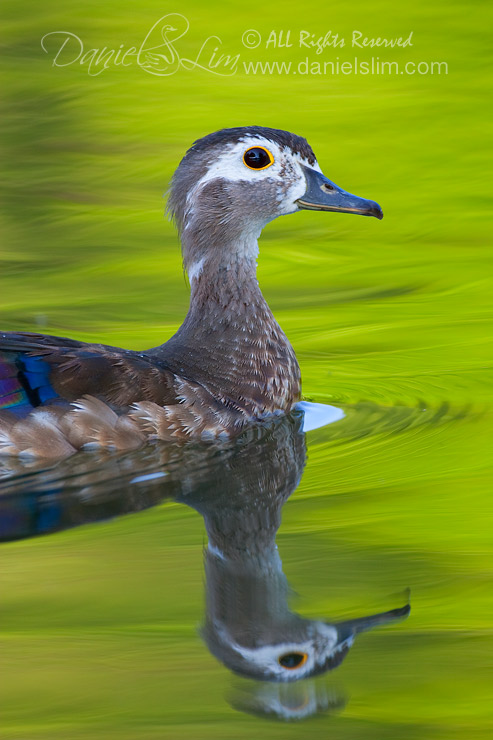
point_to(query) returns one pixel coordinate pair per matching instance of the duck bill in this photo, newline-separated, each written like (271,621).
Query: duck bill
(363,624)
(323,195)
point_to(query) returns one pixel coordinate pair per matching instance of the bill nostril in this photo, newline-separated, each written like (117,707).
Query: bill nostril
(327,187)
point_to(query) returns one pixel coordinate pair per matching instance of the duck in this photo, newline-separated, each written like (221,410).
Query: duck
(229,365)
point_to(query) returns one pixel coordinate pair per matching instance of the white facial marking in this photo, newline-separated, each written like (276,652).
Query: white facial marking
(267,657)
(286,168)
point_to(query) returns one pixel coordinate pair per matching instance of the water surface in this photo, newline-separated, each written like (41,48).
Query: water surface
(122,628)
(106,587)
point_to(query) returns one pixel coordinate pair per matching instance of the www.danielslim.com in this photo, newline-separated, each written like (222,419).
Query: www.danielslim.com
(373,66)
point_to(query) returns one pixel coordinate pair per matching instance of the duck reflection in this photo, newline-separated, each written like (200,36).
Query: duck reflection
(286,701)
(239,491)
(249,625)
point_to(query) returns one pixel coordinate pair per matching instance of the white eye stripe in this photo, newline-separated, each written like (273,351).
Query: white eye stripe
(267,656)
(286,171)
(230,165)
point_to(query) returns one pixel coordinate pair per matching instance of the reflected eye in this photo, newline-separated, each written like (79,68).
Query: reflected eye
(258,158)
(293,660)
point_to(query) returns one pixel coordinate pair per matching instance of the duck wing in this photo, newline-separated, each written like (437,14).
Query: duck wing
(37,368)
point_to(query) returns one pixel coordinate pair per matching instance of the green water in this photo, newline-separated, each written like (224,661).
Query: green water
(390,320)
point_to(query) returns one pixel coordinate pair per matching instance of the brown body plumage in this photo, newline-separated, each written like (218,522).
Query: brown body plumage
(229,364)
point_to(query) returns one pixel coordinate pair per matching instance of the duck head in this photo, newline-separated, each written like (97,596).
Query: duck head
(250,627)
(231,183)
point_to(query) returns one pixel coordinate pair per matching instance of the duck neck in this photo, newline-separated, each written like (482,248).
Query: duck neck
(246,589)
(225,297)
(227,293)
(230,338)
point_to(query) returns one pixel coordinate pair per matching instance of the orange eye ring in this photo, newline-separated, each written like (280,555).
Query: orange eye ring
(292,661)
(257,158)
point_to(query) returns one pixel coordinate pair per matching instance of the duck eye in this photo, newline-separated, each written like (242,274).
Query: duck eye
(258,158)
(293,660)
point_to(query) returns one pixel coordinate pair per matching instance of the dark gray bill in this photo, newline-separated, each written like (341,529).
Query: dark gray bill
(362,624)
(323,195)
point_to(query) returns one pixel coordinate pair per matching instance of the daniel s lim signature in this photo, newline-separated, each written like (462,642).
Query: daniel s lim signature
(157,54)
